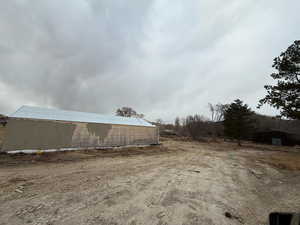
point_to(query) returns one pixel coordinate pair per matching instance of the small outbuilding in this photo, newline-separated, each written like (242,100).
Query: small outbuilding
(34,128)
(275,137)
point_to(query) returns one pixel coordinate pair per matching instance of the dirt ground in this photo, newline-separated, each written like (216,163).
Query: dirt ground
(179,182)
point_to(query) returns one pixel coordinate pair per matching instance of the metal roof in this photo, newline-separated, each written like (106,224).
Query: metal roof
(31,112)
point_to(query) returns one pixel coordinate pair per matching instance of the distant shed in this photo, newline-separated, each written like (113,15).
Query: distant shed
(275,137)
(34,128)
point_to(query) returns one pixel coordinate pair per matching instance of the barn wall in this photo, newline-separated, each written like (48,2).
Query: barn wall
(2,134)
(42,134)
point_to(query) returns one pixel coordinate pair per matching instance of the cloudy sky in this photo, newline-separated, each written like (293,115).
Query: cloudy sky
(163,58)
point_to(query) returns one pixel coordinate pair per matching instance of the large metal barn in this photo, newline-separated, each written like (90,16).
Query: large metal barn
(34,128)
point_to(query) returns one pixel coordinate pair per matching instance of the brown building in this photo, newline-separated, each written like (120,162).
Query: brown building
(34,128)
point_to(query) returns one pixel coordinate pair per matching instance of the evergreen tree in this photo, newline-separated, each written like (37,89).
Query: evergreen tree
(285,95)
(237,121)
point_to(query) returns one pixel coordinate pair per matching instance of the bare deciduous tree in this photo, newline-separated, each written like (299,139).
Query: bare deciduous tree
(194,125)
(217,111)
(177,123)
(128,112)
(159,121)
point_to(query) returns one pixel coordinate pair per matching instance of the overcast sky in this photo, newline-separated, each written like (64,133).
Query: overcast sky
(163,58)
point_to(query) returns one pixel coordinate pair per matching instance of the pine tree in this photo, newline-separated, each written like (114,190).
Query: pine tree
(285,95)
(238,122)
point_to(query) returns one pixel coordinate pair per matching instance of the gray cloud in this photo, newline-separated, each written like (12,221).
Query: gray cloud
(162,58)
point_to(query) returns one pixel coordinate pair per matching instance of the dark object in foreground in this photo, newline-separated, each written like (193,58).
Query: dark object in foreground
(276,218)
(231,216)
(228,215)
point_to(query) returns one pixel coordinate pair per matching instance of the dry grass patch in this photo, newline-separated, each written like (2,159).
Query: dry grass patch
(80,155)
(281,160)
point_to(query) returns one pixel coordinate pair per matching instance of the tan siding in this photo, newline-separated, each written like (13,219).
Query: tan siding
(43,134)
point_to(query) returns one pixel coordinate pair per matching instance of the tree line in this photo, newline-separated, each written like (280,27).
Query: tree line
(236,120)
(233,120)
